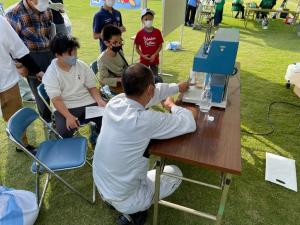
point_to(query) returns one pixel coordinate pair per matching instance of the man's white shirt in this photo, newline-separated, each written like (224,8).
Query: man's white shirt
(127,128)
(11,47)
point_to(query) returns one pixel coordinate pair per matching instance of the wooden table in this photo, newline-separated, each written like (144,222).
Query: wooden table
(215,145)
(254,11)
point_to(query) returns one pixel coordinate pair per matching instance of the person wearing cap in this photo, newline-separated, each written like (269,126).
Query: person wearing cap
(121,159)
(148,43)
(106,15)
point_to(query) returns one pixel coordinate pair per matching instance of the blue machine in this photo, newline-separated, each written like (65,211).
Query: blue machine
(217,58)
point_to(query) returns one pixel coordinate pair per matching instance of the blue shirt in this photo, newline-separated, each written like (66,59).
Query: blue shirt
(104,17)
(192,3)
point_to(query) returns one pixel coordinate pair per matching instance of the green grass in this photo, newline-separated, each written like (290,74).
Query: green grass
(264,56)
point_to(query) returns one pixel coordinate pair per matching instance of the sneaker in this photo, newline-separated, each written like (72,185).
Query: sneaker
(122,220)
(30,148)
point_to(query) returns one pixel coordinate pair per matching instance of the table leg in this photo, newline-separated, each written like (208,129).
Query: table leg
(246,18)
(157,189)
(225,190)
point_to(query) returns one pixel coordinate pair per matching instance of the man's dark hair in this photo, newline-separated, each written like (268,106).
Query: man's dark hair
(63,43)
(136,78)
(109,31)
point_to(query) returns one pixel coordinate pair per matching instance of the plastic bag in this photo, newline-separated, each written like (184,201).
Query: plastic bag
(17,207)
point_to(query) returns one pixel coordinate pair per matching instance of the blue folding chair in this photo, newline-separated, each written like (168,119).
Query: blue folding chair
(52,155)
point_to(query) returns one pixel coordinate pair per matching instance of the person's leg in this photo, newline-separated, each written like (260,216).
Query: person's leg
(157,78)
(187,14)
(217,18)
(42,108)
(43,60)
(221,15)
(193,13)
(168,185)
(243,11)
(60,126)
(11,102)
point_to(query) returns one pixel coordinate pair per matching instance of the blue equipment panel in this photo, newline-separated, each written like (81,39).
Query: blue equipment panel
(219,57)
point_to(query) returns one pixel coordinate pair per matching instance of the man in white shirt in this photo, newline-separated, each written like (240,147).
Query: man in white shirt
(120,168)
(12,48)
(71,86)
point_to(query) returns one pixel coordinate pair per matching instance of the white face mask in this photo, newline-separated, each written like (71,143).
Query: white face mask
(42,5)
(110,3)
(148,23)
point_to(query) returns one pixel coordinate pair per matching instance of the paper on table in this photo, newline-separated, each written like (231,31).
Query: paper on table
(93,111)
(281,170)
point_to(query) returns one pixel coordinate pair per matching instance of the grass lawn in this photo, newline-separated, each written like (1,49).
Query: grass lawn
(264,56)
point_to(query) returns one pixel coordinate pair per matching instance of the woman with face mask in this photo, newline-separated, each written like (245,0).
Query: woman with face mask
(111,62)
(106,15)
(71,86)
(148,43)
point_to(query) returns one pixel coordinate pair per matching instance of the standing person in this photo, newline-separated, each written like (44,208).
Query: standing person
(120,165)
(32,19)
(148,42)
(219,7)
(106,15)
(239,7)
(190,12)
(12,47)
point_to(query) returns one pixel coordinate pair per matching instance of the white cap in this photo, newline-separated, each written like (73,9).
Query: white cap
(146,10)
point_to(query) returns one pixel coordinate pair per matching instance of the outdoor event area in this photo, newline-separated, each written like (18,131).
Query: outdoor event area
(264,111)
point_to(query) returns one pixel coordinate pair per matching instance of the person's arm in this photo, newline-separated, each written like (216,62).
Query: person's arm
(94,92)
(90,83)
(97,26)
(105,77)
(31,66)
(168,125)
(156,53)
(72,122)
(163,90)
(138,50)
(122,28)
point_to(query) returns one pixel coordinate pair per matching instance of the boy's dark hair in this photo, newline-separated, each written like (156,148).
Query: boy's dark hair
(63,43)
(109,31)
(136,78)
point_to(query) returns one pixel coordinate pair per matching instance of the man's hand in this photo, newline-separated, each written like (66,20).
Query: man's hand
(183,87)
(40,75)
(168,103)
(72,122)
(122,28)
(21,69)
(152,58)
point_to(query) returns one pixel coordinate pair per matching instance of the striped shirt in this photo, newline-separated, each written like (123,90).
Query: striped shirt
(32,26)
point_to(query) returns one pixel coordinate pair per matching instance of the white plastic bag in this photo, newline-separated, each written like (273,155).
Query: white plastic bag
(17,207)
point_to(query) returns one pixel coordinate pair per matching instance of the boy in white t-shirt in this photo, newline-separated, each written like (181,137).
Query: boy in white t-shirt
(71,86)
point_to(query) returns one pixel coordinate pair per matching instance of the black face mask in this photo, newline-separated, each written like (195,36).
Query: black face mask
(116,48)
